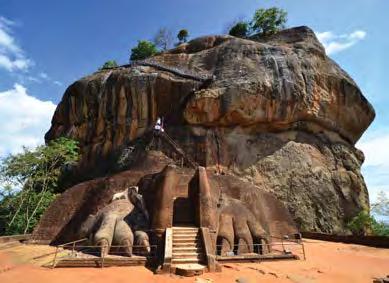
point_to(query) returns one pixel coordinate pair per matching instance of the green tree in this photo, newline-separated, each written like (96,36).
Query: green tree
(143,50)
(268,21)
(163,39)
(21,211)
(30,182)
(365,224)
(380,228)
(109,65)
(183,36)
(240,29)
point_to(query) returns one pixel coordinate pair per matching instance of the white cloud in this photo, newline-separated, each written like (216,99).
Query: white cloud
(14,64)
(375,169)
(12,57)
(24,119)
(334,43)
(44,76)
(376,150)
(41,78)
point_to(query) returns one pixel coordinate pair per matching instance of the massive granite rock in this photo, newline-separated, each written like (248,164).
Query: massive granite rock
(273,111)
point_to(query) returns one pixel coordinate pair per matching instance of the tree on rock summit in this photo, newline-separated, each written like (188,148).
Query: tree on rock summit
(268,21)
(143,50)
(183,36)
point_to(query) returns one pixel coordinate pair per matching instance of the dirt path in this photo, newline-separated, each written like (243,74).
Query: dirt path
(326,262)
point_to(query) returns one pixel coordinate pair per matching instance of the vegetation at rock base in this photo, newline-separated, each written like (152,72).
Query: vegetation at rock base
(143,50)
(268,21)
(240,29)
(109,65)
(163,39)
(183,36)
(365,224)
(30,182)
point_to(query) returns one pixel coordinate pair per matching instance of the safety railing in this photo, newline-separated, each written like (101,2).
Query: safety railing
(279,247)
(182,72)
(178,149)
(294,240)
(75,250)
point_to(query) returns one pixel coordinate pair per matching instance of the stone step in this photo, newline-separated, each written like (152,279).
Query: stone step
(193,269)
(186,248)
(187,245)
(184,232)
(187,260)
(186,228)
(196,237)
(188,255)
(187,242)
(188,239)
(186,235)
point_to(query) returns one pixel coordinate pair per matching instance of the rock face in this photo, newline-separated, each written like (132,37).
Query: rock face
(238,214)
(274,111)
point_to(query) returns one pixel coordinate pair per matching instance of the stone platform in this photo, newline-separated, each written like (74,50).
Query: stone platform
(101,262)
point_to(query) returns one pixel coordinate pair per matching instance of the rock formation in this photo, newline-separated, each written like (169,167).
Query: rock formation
(274,115)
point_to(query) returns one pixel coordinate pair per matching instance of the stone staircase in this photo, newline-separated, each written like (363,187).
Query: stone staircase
(188,251)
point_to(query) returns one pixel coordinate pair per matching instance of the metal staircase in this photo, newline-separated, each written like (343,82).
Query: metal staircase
(165,137)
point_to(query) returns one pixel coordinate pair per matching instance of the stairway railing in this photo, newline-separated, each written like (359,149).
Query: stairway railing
(178,149)
(185,73)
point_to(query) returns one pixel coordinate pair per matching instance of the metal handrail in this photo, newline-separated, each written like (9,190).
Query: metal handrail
(177,71)
(73,242)
(269,246)
(178,149)
(151,254)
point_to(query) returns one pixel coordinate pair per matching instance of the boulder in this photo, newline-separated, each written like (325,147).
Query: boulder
(273,111)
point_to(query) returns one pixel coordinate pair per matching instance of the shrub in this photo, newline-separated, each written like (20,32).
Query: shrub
(143,50)
(109,65)
(240,29)
(360,224)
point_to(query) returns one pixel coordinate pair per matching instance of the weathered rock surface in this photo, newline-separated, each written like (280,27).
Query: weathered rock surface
(237,211)
(278,113)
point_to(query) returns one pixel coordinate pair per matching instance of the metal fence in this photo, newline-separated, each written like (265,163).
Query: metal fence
(279,246)
(80,250)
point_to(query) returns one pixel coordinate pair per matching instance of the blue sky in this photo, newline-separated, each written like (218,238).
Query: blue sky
(46,45)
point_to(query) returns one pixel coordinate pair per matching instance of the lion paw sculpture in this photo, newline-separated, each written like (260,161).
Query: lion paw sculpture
(114,224)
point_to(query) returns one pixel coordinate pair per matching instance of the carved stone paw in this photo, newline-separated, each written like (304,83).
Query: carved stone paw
(239,231)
